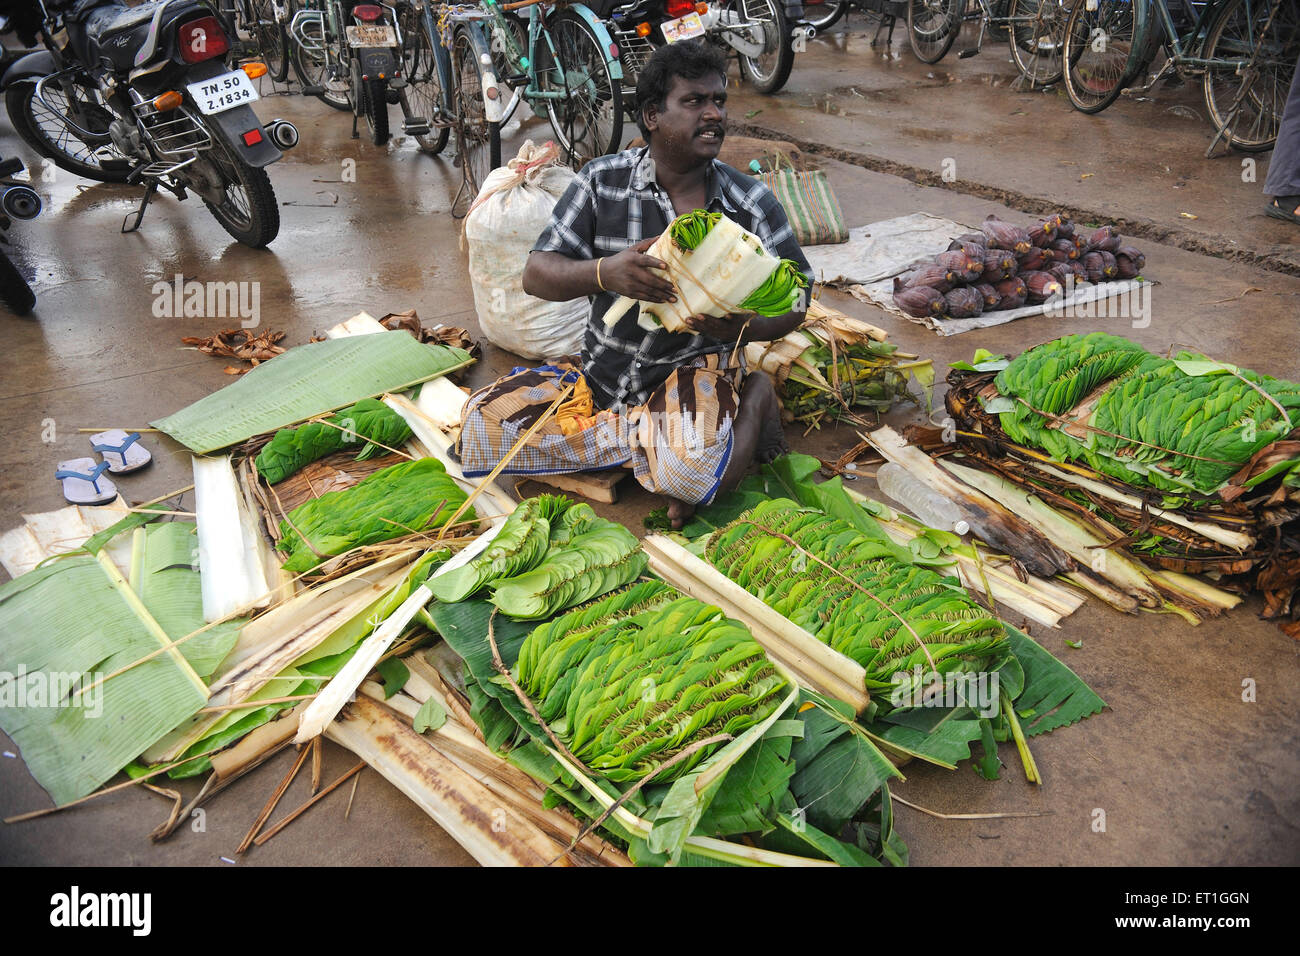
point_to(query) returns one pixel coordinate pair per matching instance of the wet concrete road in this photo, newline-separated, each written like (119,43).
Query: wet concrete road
(1186,772)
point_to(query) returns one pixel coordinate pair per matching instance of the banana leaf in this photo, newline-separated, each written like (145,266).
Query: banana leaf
(308,381)
(1053,695)
(73,621)
(169,585)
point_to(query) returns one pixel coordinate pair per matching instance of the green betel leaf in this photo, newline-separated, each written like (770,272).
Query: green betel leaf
(430,716)
(308,381)
(1053,691)
(938,736)
(394,673)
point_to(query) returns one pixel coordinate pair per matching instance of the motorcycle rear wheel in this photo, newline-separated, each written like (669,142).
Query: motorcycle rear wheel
(374,104)
(43,130)
(248,210)
(769,71)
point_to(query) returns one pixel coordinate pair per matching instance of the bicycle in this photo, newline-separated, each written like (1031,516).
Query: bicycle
(1244,50)
(1033,30)
(563,63)
(263,22)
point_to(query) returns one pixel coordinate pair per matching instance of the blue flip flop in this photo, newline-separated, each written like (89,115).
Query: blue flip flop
(83,482)
(123,452)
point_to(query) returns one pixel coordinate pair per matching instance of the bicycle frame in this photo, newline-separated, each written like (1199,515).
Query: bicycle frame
(1178,46)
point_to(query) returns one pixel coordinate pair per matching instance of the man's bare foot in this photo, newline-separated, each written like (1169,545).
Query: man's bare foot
(679,512)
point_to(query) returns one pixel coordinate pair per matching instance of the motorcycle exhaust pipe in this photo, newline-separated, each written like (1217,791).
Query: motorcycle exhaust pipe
(283,133)
(21,202)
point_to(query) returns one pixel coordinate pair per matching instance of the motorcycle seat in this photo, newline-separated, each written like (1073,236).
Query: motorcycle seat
(605,8)
(113,31)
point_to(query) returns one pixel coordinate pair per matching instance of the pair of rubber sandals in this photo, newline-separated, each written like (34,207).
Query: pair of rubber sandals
(83,478)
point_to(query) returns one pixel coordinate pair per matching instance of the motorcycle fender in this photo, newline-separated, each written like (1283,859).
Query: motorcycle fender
(40,63)
(231,126)
(602,36)
(376,60)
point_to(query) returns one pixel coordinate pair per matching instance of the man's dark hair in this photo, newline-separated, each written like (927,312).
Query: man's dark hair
(688,59)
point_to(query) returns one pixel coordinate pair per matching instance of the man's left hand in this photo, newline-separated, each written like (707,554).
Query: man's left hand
(726,329)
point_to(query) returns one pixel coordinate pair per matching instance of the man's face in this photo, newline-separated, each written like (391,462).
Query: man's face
(693,121)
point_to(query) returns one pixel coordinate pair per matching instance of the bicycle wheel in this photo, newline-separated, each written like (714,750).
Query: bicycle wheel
(824,14)
(932,27)
(1249,102)
(478,140)
(40,125)
(428,75)
(1096,50)
(323,63)
(1036,44)
(587,114)
(272,43)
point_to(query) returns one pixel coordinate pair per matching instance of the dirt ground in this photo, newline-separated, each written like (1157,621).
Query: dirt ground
(1186,772)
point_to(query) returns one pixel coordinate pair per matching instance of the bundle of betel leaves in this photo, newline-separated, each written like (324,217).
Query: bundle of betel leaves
(549,554)
(659,701)
(717,268)
(1180,425)
(407,498)
(857,594)
(369,422)
(633,680)
(1194,462)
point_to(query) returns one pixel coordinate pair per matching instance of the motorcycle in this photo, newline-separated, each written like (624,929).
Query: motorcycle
(763,34)
(17,202)
(143,95)
(347,54)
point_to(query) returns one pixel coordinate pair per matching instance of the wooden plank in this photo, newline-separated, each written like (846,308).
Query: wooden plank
(593,485)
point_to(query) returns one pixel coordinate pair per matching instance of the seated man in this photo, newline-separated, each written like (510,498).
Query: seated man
(689,421)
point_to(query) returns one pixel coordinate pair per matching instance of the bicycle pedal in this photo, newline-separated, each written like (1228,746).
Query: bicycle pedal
(416,128)
(967,54)
(397,83)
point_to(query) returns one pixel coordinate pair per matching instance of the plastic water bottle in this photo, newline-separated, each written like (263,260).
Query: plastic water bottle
(925,504)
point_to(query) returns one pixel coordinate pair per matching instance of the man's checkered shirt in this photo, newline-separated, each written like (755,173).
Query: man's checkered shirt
(616,202)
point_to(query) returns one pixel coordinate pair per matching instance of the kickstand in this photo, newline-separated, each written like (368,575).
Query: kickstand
(355,134)
(149,191)
(886,20)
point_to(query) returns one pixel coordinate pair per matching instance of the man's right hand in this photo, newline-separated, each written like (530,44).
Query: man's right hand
(628,273)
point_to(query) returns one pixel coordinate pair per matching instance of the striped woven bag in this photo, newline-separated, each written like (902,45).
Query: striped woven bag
(809,203)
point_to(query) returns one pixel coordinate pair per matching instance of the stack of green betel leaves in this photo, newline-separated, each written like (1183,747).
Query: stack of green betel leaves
(1186,464)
